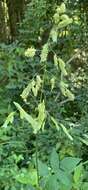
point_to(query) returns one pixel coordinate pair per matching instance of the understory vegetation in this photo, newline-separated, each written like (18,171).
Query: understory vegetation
(43,95)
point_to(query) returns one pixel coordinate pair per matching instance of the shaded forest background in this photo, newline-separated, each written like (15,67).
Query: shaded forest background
(30,52)
(12,13)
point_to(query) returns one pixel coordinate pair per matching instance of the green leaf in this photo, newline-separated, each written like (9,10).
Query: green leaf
(42,115)
(63,87)
(69,164)
(52,81)
(85,186)
(65,91)
(55,123)
(77,173)
(84,141)
(36,123)
(52,183)
(34,86)
(62,66)
(70,95)
(55,61)
(54,35)
(64,23)
(44,53)
(9,119)
(29,118)
(64,17)
(62,8)
(66,132)
(43,169)
(64,178)
(64,187)
(30,52)
(26,92)
(54,160)
(27,177)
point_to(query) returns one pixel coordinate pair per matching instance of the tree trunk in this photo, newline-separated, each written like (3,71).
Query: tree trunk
(15,12)
(2,23)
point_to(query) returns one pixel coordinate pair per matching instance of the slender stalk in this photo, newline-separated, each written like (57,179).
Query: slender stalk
(37,158)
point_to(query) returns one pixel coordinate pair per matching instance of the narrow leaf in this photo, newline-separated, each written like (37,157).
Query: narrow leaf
(9,119)
(62,66)
(78,173)
(66,132)
(55,123)
(44,53)
(29,118)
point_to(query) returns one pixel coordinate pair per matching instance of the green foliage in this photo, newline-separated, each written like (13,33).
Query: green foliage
(64,174)
(45,74)
(36,123)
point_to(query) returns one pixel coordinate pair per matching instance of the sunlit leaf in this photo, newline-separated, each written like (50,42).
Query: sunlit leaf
(78,173)
(42,114)
(36,123)
(55,123)
(27,117)
(30,52)
(66,132)
(28,177)
(56,61)
(52,81)
(44,53)
(34,85)
(54,35)
(26,92)
(64,23)
(62,8)
(63,87)
(64,17)
(38,84)
(9,119)
(62,66)
(65,91)
(70,95)
(84,141)
(56,18)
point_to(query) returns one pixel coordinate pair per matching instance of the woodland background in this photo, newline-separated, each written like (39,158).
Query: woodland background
(31,42)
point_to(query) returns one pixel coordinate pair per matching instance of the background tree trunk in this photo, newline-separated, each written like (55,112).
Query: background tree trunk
(15,12)
(2,23)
